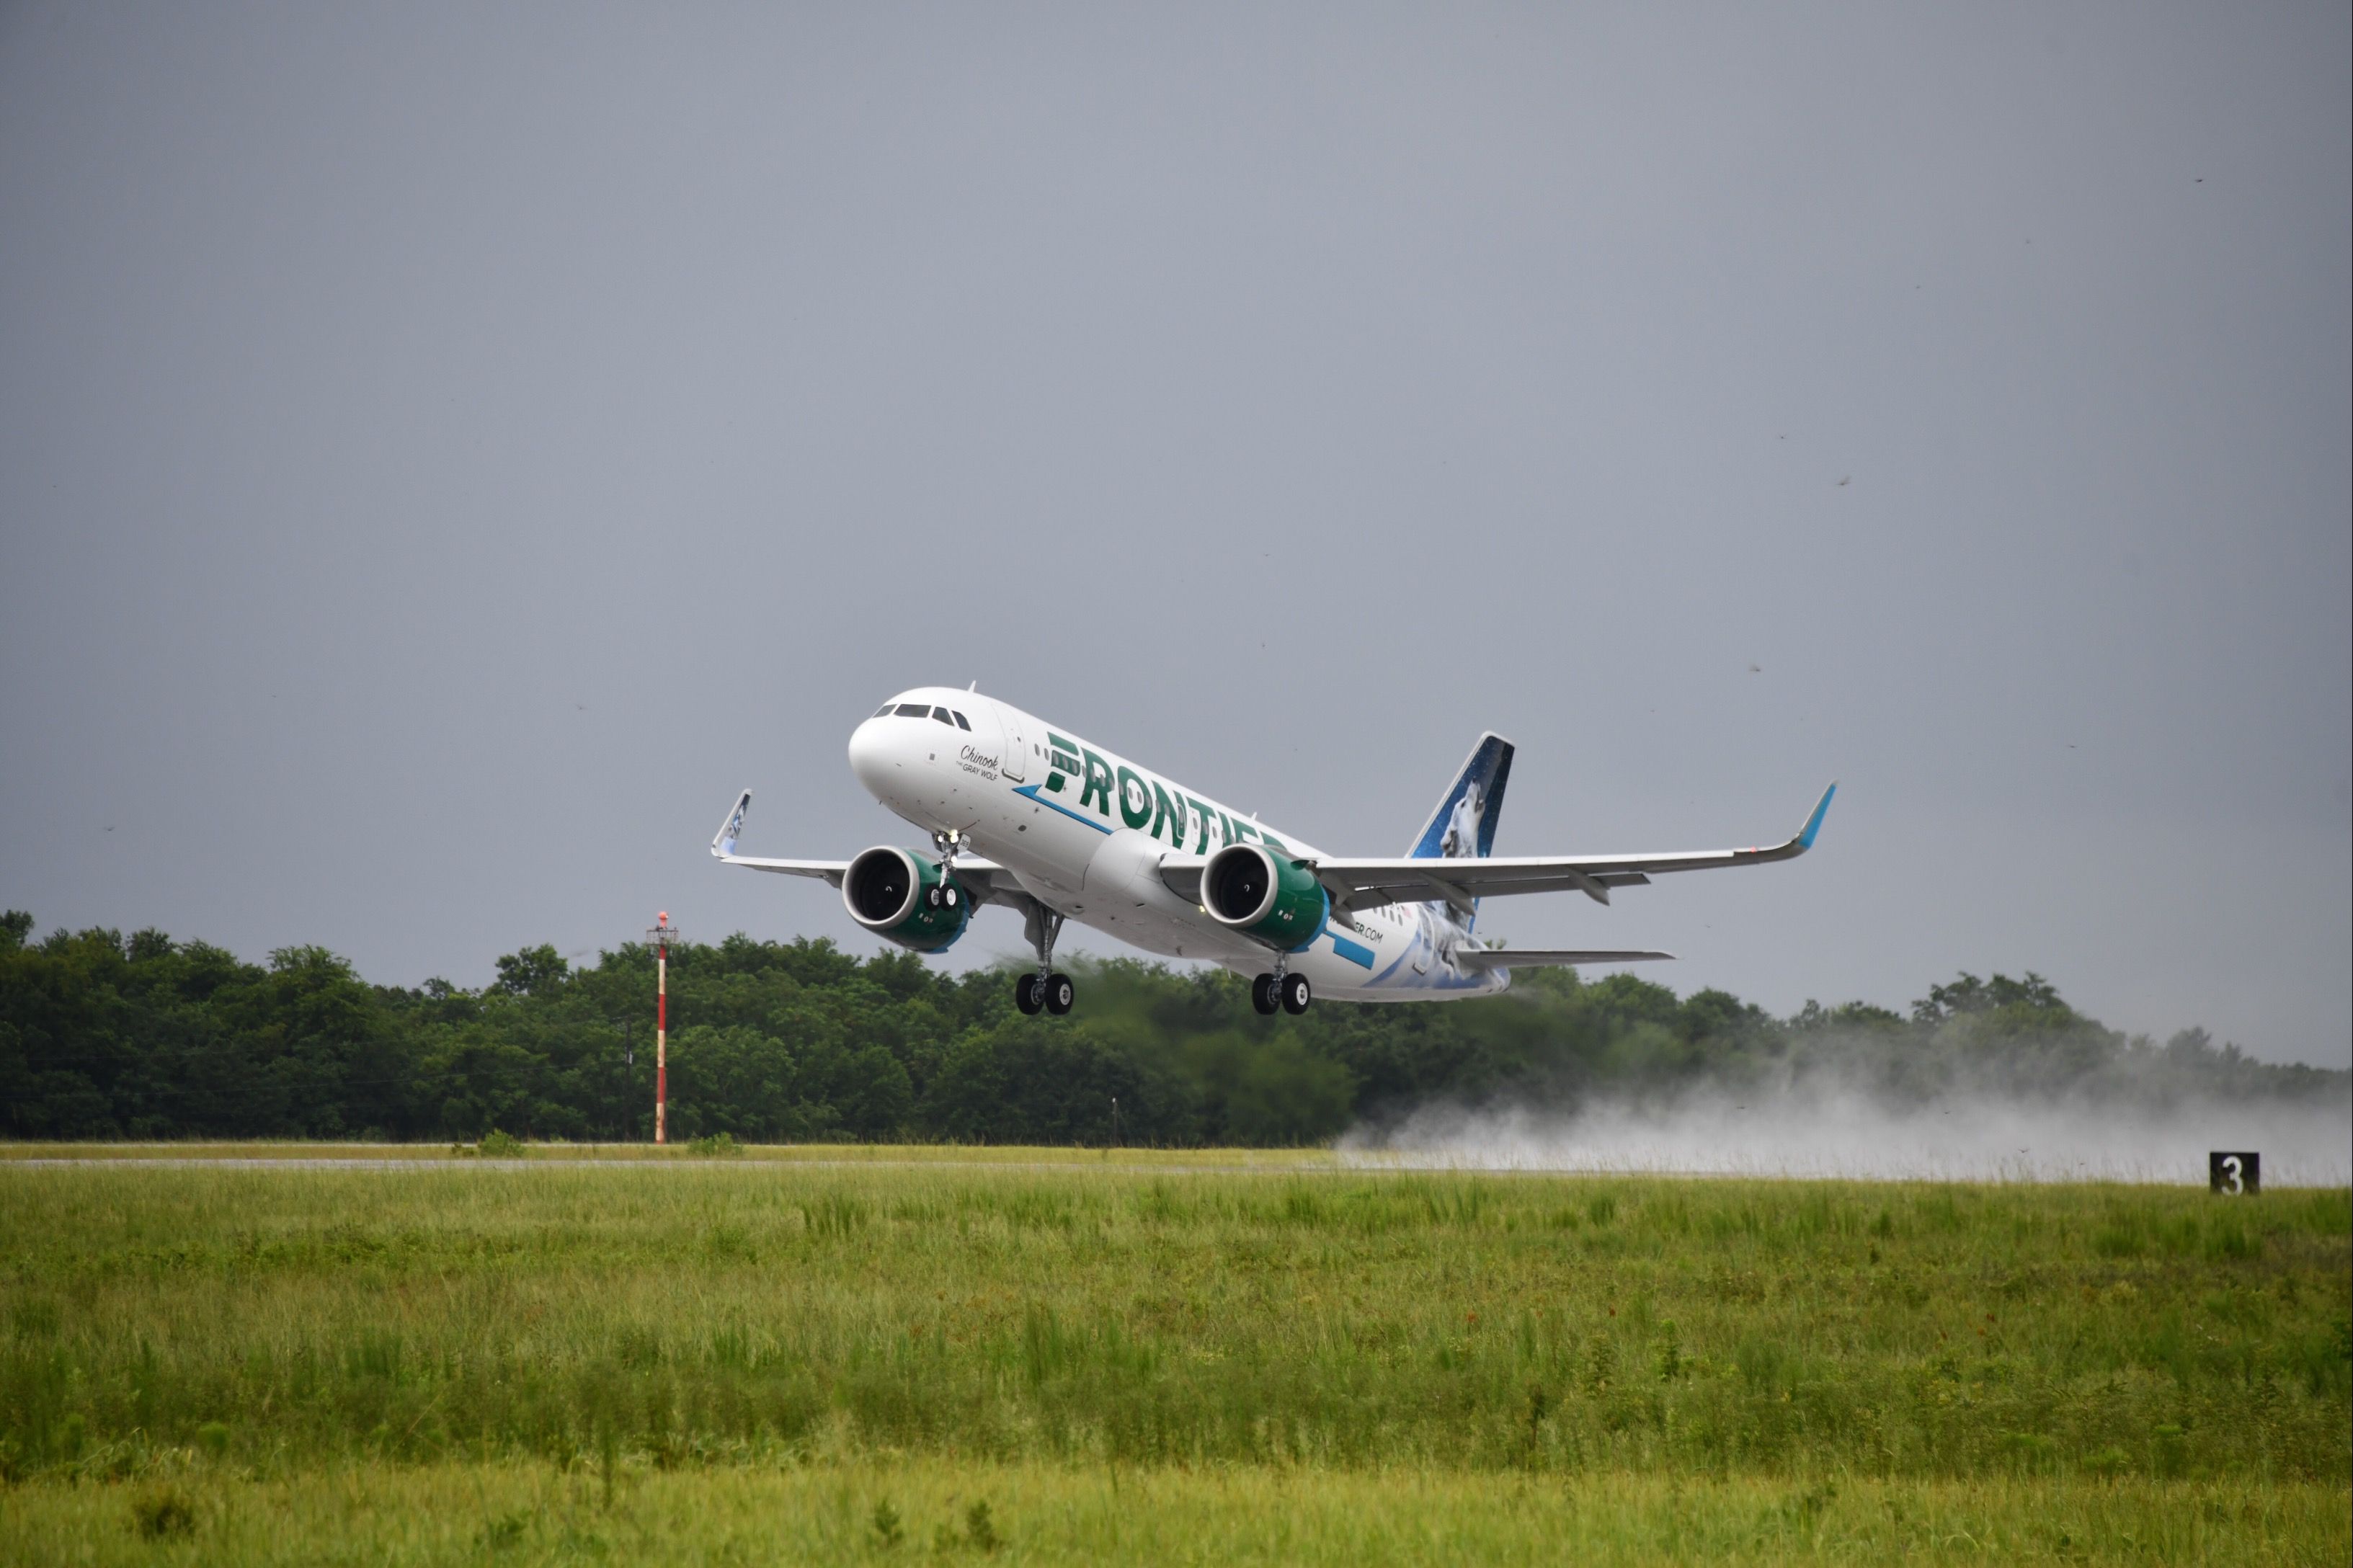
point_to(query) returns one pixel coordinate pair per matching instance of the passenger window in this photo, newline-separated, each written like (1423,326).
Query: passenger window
(960,722)
(914,710)
(942,715)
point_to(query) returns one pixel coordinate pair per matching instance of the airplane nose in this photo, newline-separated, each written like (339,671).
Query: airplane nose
(870,755)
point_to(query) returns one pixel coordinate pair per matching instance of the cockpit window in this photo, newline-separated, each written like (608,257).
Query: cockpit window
(883,711)
(942,715)
(961,722)
(914,710)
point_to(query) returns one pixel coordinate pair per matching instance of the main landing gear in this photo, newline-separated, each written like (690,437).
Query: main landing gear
(1288,991)
(1048,993)
(1045,991)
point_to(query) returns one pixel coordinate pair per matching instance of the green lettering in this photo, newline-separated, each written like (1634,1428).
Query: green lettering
(1205,817)
(1061,757)
(1171,812)
(1143,811)
(1098,782)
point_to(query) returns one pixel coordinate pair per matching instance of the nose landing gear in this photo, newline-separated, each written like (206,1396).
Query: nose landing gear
(946,894)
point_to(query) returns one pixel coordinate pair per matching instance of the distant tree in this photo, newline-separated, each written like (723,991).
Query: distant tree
(1285,1094)
(1034,1080)
(531,972)
(104,1036)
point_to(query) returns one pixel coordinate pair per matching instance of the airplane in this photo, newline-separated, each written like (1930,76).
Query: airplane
(1026,814)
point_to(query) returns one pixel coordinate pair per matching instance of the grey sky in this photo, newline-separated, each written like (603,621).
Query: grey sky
(445,450)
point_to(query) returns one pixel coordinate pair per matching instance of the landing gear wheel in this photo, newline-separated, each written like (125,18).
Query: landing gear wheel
(1029,993)
(948,896)
(1263,995)
(1059,993)
(1295,991)
(932,898)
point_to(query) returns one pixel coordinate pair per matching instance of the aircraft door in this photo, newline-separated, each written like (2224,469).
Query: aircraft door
(1014,761)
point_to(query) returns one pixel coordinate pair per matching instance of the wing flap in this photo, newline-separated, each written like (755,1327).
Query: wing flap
(831,870)
(1181,874)
(1539,957)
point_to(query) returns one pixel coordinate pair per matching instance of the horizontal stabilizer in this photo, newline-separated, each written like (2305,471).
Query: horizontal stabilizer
(1543,957)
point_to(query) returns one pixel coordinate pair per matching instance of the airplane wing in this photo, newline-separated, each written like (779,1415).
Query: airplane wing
(722,848)
(991,883)
(831,870)
(1540,957)
(1362,884)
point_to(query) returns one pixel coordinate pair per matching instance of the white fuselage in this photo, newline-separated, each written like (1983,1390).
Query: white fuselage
(1083,830)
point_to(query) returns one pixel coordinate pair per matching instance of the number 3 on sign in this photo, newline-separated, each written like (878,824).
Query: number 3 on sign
(2234,1175)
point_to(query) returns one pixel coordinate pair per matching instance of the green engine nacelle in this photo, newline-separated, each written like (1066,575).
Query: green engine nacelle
(1268,896)
(908,897)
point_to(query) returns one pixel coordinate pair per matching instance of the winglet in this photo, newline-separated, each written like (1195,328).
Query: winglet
(723,843)
(1806,836)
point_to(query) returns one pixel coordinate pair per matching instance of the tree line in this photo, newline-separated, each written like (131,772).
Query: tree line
(104,1036)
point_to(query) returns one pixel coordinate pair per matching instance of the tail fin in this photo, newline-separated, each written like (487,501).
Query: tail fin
(1464,823)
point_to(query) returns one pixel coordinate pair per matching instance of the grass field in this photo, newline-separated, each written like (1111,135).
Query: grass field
(1051,1357)
(877,1154)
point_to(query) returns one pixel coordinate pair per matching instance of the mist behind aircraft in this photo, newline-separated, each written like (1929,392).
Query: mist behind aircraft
(1842,1133)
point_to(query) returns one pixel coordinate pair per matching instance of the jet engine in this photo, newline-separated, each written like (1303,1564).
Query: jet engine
(1268,896)
(906,897)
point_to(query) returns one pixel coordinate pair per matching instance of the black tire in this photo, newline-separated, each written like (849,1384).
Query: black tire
(948,897)
(1296,994)
(1027,993)
(1263,995)
(1059,993)
(931,898)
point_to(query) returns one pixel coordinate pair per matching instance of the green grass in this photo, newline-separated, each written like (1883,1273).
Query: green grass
(879,1155)
(857,1510)
(1127,1358)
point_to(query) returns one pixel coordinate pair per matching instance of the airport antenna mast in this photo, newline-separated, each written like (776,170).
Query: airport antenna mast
(662,934)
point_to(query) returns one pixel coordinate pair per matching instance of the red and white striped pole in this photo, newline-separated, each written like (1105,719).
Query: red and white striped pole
(662,936)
